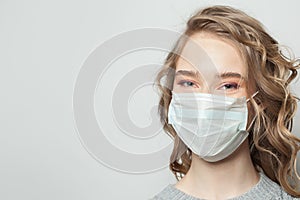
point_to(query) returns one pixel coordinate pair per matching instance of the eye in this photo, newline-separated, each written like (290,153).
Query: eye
(229,86)
(186,83)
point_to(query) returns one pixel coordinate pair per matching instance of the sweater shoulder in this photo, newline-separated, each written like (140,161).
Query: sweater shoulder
(286,196)
(265,189)
(170,192)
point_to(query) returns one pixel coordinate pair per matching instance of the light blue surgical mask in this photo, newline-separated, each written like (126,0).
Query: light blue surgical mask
(212,126)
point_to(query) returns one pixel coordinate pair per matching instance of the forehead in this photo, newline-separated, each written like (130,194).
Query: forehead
(211,55)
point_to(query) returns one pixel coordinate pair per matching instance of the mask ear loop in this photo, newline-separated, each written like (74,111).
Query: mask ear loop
(252,122)
(253,95)
(181,149)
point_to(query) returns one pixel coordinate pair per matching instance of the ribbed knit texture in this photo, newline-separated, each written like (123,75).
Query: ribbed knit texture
(265,189)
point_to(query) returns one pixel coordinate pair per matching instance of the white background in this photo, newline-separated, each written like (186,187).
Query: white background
(43,44)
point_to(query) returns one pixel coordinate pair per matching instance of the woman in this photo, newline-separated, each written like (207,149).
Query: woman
(225,100)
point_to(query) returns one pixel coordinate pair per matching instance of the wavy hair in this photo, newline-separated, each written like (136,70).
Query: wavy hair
(273,147)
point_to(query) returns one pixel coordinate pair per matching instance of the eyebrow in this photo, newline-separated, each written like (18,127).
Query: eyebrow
(192,74)
(224,75)
(231,75)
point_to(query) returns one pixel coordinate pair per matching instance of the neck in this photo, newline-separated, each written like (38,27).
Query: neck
(228,178)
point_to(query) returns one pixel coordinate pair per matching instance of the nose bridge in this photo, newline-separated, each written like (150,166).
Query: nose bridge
(208,83)
(206,88)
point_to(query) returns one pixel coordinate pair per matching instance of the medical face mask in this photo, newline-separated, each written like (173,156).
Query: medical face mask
(212,126)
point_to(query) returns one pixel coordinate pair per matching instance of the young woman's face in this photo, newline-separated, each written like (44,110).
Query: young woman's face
(209,64)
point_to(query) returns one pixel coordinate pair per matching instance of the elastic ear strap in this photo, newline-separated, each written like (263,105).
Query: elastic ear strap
(252,122)
(250,125)
(180,149)
(253,95)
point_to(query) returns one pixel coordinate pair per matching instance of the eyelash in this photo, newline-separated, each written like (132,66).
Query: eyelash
(183,83)
(233,86)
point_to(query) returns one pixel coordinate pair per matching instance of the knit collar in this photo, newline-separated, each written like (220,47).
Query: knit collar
(264,189)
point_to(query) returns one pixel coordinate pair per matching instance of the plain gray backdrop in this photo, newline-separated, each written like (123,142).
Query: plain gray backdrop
(43,45)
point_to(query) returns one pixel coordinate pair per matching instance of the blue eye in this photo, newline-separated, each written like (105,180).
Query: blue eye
(186,83)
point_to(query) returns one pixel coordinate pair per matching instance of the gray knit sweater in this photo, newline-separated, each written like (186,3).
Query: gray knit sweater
(265,189)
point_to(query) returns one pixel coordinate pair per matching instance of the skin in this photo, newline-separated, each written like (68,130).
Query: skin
(234,175)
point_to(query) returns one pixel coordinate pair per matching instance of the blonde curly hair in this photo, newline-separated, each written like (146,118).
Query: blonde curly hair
(272,145)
